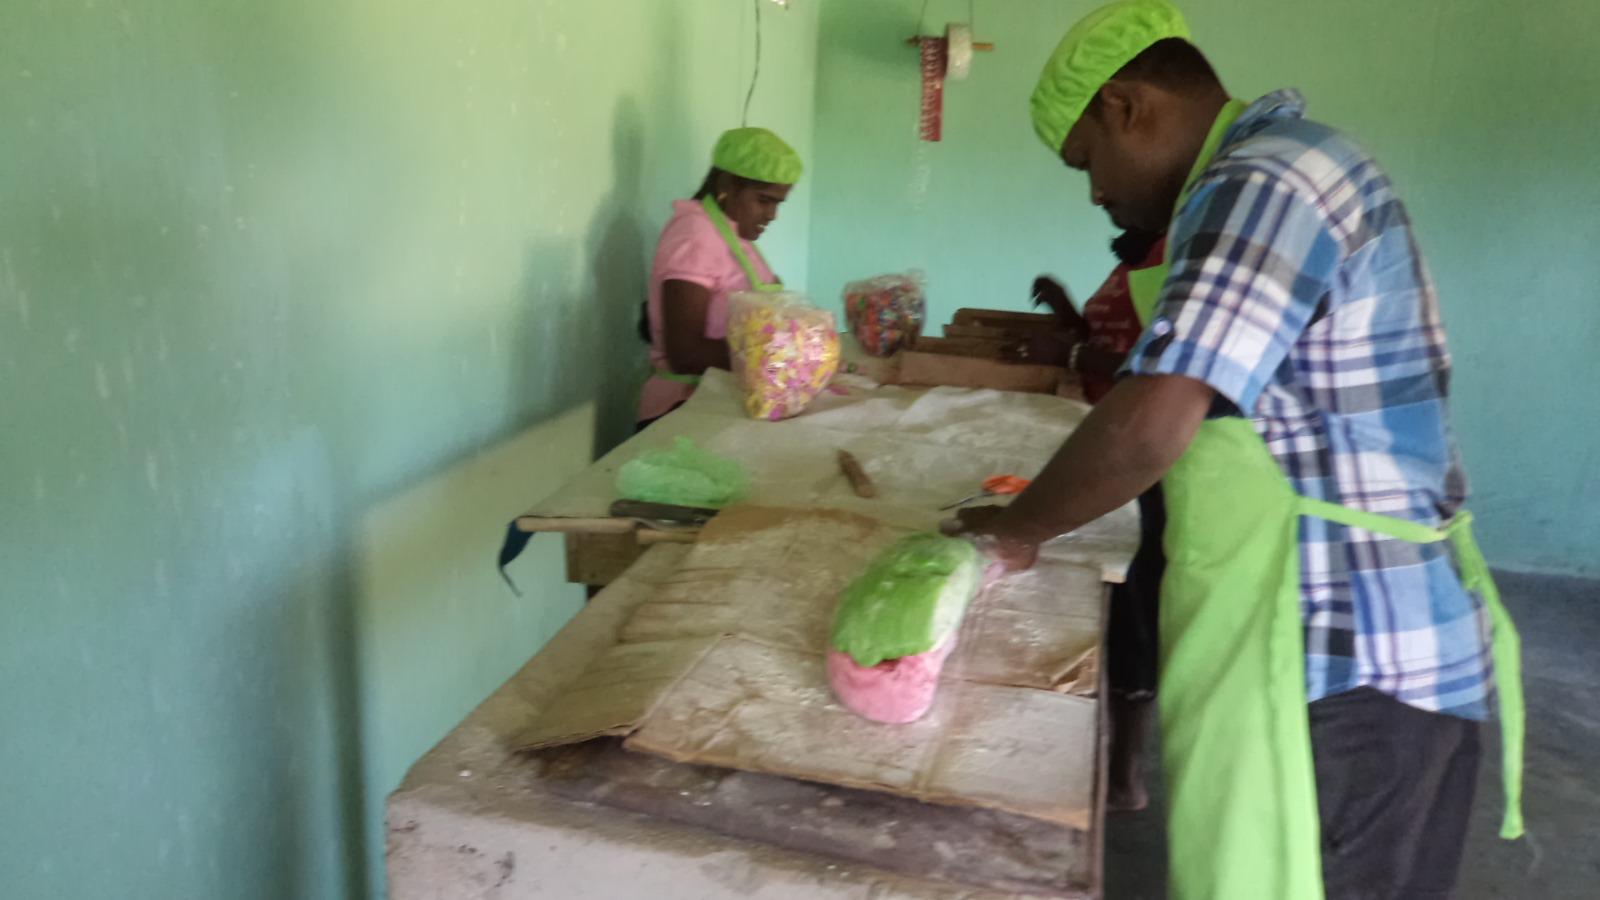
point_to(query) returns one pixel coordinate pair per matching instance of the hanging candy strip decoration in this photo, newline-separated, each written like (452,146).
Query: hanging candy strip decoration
(933,68)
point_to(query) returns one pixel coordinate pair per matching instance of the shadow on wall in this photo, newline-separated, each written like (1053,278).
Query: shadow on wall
(580,345)
(325,701)
(438,629)
(585,348)
(617,254)
(617,248)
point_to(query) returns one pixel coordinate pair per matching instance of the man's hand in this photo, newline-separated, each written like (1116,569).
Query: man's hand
(979,524)
(1127,443)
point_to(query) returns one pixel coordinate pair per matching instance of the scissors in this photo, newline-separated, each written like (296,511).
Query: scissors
(993,486)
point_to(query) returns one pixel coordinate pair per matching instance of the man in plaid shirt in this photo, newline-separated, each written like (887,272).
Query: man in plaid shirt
(1296,302)
(1297,294)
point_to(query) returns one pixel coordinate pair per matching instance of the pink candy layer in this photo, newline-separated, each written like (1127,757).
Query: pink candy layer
(895,691)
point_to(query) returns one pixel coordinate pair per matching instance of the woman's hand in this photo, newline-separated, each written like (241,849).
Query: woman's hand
(1048,292)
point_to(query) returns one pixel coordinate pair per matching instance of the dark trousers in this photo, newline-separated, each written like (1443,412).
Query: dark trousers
(1133,637)
(1395,786)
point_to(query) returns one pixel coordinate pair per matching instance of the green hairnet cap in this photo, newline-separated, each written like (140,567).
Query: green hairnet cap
(1100,44)
(757,154)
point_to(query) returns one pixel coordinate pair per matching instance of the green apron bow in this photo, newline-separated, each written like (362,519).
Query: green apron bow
(736,247)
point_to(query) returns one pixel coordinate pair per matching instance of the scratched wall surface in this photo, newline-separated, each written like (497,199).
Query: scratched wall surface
(299,303)
(1483,111)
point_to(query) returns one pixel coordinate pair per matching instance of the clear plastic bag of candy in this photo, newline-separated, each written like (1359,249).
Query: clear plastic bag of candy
(885,313)
(784,351)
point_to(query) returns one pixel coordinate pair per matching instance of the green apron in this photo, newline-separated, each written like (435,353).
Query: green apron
(720,220)
(1241,791)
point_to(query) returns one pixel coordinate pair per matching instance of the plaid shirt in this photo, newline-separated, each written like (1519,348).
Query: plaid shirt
(1298,293)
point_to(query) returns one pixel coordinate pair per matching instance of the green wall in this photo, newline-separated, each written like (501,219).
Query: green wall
(299,303)
(1484,113)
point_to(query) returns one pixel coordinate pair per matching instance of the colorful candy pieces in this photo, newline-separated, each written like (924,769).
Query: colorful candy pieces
(783,350)
(885,313)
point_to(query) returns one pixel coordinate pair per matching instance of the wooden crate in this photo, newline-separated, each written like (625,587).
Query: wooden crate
(921,368)
(987,332)
(981,348)
(1004,319)
(969,355)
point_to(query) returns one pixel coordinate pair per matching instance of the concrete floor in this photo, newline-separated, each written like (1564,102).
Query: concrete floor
(1559,619)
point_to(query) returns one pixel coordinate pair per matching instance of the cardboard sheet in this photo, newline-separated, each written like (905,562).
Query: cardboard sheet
(616,692)
(760,708)
(723,665)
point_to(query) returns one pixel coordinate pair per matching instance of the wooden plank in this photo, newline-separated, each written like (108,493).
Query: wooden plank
(958,371)
(1002,318)
(980,348)
(599,525)
(598,558)
(1102,763)
(650,536)
(1006,333)
(981,332)
(980,848)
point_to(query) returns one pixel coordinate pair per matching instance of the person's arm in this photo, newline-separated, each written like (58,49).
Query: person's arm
(1126,444)
(1241,292)
(1098,361)
(684,306)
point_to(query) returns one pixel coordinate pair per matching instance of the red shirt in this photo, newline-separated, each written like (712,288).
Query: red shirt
(1113,325)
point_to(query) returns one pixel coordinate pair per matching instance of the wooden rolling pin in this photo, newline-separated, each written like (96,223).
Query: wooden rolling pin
(858,476)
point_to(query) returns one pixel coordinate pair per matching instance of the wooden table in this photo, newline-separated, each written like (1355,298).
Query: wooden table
(923,447)
(476,819)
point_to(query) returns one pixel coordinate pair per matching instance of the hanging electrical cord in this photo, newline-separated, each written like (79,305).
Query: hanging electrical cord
(755,75)
(972,16)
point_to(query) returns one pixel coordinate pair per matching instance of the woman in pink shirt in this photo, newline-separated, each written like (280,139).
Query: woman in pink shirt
(705,254)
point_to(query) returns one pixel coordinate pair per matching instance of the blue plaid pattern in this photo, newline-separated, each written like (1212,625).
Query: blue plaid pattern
(1298,293)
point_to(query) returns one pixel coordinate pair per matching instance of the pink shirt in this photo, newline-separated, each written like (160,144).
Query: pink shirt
(691,249)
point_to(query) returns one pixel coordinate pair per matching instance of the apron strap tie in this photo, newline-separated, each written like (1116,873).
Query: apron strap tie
(1506,647)
(720,220)
(1377,523)
(691,380)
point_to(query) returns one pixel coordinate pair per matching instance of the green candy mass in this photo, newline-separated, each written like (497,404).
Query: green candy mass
(908,600)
